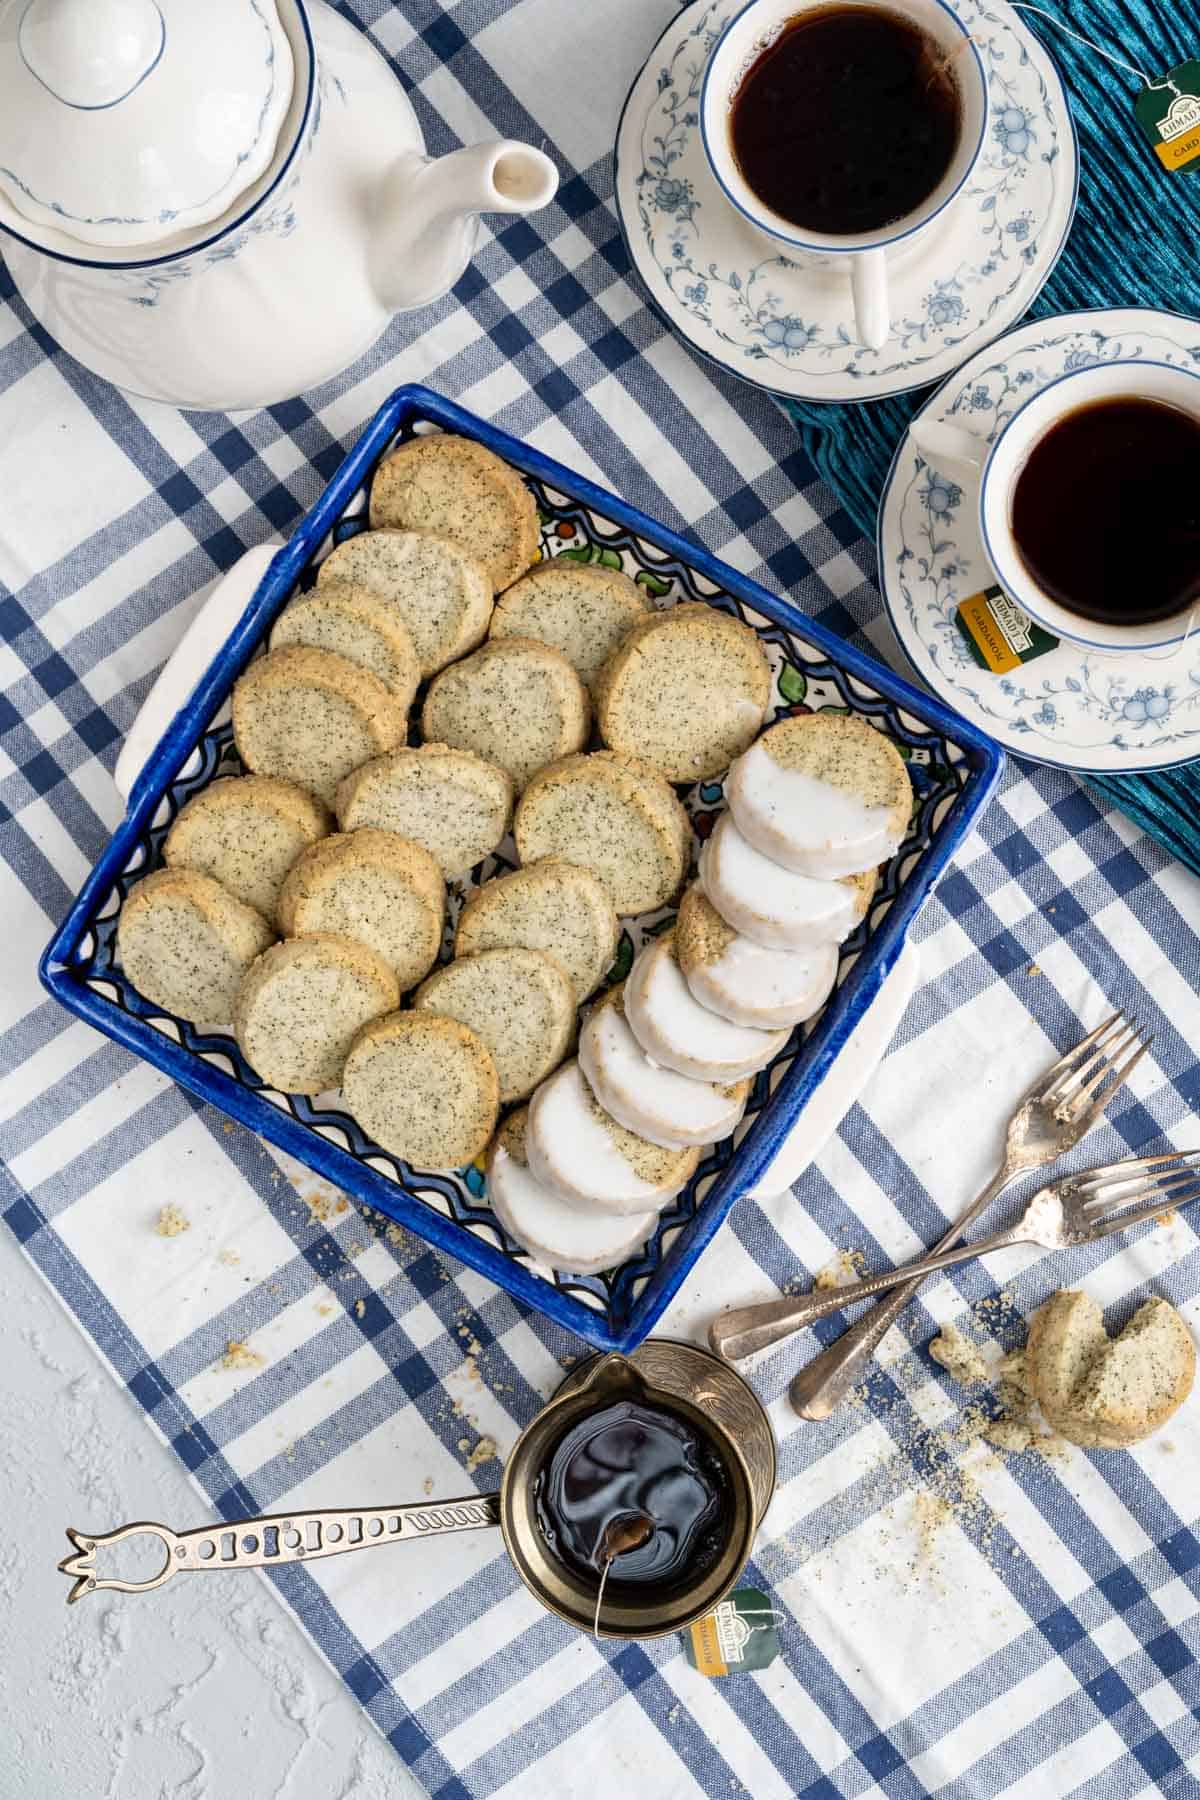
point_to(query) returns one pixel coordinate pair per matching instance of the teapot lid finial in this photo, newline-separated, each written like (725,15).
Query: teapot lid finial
(127,122)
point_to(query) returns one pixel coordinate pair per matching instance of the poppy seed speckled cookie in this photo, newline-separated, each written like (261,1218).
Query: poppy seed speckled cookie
(614,816)
(453,486)
(185,944)
(552,906)
(686,692)
(583,610)
(311,717)
(675,1030)
(774,906)
(424,1087)
(742,981)
(822,794)
(438,591)
(302,1004)
(450,801)
(379,889)
(351,621)
(579,1151)
(671,1110)
(519,1002)
(1102,1392)
(246,831)
(515,702)
(559,1233)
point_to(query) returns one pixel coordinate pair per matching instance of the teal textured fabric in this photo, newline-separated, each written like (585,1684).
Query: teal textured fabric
(1135,242)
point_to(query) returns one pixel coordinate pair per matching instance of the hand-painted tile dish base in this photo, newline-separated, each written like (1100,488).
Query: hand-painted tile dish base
(787,324)
(953,768)
(1075,707)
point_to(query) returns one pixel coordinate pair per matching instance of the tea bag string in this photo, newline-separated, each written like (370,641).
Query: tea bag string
(1108,55)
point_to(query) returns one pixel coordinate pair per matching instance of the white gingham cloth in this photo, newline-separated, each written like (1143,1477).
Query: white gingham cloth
(1048,1646)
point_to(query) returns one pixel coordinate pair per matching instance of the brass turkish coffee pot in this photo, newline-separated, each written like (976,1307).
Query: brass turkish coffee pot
(679,1378)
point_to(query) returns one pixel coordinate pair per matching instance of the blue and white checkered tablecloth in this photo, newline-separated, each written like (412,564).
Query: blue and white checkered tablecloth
(1038,1640)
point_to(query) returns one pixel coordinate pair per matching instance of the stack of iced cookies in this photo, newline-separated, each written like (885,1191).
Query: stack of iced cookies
(436,686)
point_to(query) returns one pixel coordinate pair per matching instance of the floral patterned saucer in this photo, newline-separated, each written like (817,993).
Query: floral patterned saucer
(1077,707)
(787,324)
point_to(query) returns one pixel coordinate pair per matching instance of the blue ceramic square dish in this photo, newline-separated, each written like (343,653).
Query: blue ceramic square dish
(954,770)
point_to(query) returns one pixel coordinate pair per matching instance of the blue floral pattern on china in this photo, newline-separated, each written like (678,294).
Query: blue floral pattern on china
(786,321)
(1076,706)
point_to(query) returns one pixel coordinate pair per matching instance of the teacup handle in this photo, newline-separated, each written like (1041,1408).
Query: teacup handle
(950,450)
(872,311)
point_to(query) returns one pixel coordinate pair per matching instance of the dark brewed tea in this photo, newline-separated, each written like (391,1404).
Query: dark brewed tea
(848,121)
(629,1459)
(1106,511)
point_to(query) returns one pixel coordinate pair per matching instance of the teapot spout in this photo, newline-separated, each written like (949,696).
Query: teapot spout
(427,214)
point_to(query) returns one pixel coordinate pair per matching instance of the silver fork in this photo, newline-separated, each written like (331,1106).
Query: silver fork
(1061,1105)
(1076,1210)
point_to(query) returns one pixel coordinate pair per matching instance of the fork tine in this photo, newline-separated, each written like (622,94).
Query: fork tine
(1088,1106)
(1101,1058)
(1069,1058)
(1122,1193)
(1165,1159)
(1121,1221)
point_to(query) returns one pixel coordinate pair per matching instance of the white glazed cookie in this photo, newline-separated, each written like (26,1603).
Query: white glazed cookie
(439,592)
(739,979)
(185,944)
(449,801)
(1105,1392)
(457,488)
(579,1151)
(379,889)
(350,620)
(519,1002)
(515,702)
(824,794)
(246,831)
(671,1110)
(302,1004)
(551,906)
(559,1233)
(774,906)
(675,1030)
(583,610)
(424,1087)
(311,717)
(614,816)
(686,692)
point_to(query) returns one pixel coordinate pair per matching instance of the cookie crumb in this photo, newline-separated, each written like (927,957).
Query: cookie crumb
(360,1309)
(484,1451)
(959,1357)
(171,1221)
(845,1269)
(240,1356)
(228,1257)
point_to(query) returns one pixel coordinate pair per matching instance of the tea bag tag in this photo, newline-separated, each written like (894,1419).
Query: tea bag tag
(1168,111)
(999,635)
(740,1633)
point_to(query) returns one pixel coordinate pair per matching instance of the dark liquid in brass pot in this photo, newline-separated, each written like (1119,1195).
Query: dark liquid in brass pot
(848,121)
(626,1459)
(1106,511)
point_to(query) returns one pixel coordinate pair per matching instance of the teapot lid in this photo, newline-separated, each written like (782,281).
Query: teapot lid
(125,122)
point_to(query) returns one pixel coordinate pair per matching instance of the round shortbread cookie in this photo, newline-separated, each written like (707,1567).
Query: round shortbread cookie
(613,816)
(185,944)
(450,801)
(669,1109)
(302,1004)
(773,906)
(687,691)
(739,979)
(583,610)
(438,591)
(823,794)
(559,1233)
(519,1002)
(551,906)
(424,1087)
(246,831)
(453,486)
(675,1030)
(352,621)
(312,717)
(379,889)
(516,703)
(578,1150)
(1102,1392)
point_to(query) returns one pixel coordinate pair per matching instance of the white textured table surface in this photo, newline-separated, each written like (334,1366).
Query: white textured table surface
(200,1694)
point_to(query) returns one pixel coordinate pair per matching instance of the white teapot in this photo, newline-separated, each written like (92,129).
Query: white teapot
(221,203)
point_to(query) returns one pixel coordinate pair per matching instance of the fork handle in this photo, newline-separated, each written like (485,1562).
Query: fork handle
(822,1384)
(747,1328)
